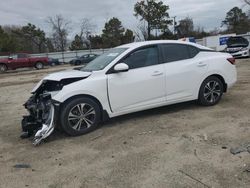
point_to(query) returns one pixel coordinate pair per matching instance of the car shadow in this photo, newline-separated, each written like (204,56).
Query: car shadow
(170,109)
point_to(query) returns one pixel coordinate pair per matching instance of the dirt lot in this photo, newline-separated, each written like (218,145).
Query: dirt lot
(175,146)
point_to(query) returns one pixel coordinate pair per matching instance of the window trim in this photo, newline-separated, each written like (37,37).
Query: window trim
(112,71)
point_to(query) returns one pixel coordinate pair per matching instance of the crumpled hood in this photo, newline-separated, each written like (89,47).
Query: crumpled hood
(67,74)
(58,76)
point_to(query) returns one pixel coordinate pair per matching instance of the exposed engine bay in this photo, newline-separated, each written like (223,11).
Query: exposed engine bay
(40,122)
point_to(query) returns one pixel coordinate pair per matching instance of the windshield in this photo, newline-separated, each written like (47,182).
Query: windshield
(237,42)
(103,60)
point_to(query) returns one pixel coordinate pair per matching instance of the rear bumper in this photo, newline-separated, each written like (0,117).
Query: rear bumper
(232,79)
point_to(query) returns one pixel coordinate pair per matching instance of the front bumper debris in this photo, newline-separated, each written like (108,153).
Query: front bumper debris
(47,128)
(41,131)
(41,120)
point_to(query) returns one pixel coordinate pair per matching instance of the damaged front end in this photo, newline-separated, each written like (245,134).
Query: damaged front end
(43,110)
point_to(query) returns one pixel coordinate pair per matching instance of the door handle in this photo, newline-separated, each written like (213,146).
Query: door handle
(201,64)
(157,73)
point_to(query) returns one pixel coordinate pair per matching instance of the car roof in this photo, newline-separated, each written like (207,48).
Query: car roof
(145,43)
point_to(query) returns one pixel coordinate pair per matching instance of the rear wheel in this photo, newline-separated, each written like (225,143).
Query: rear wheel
(80,116)
(39,65)
(211,91)
(3,68)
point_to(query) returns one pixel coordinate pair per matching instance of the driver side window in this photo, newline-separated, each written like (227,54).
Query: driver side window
(142,58)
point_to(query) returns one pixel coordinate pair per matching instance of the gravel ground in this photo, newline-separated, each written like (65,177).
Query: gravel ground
(183,145)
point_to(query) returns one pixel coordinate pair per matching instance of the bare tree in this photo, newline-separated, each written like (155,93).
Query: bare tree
(141,33)
(60,30)
(247,2)
(87,28)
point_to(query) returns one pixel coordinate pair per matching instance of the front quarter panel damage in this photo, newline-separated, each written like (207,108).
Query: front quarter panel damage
(40,122)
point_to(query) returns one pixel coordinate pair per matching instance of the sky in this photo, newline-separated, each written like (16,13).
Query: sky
(205,13)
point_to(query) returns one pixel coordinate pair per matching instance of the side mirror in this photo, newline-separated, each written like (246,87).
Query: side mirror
(121,67)
(10,58)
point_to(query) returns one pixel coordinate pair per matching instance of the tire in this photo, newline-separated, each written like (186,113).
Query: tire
(78,63)
(73,116)
(3,68)
(39,65)
(211,91)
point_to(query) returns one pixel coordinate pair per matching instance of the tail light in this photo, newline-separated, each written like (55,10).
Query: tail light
(231,60)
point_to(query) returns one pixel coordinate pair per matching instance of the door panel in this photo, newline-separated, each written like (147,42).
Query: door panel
(20,61)
(184,70)
(182,78)
(137,88)
(143,84)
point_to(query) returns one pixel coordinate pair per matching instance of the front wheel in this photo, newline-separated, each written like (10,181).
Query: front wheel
(211,91)
(80,116)
(39,65)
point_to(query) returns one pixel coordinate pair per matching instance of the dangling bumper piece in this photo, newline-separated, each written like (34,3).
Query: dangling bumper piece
(41,121)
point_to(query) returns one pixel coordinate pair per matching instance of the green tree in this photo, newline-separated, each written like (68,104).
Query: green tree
(29,38)
(237,21)
(154,13)
(77,43)
(96,42)
(112,33)
(3,40)
(7,42)
(35,35)
(128,37)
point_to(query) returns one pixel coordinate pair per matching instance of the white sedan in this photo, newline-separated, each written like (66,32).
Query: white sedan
(126,79)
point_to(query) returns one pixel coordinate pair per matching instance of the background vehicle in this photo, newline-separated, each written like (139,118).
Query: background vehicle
(83,59)
(126,79)
(54,62)
(238,46)
(22,60)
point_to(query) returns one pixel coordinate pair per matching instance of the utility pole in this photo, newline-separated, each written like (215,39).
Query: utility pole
(174,18)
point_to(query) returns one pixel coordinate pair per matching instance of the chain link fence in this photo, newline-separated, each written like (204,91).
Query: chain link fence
(67,56)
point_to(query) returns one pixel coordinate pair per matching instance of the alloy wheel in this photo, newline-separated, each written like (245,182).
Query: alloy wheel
(82,116)
(212,91)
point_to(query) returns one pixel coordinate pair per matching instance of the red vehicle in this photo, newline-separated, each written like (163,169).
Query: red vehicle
(21,60)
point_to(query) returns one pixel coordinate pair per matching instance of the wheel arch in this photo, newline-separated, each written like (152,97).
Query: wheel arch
(104,114)
(221,79)
(1,63)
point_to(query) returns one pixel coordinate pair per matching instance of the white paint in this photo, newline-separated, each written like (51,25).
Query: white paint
(148,87)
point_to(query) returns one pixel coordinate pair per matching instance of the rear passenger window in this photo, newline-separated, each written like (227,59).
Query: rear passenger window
(193,51)
(174,52)
(177,52)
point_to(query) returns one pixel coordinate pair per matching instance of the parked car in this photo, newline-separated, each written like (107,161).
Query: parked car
(22,60)
(127,79)
(83,59)
(238,46)
(54,62)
